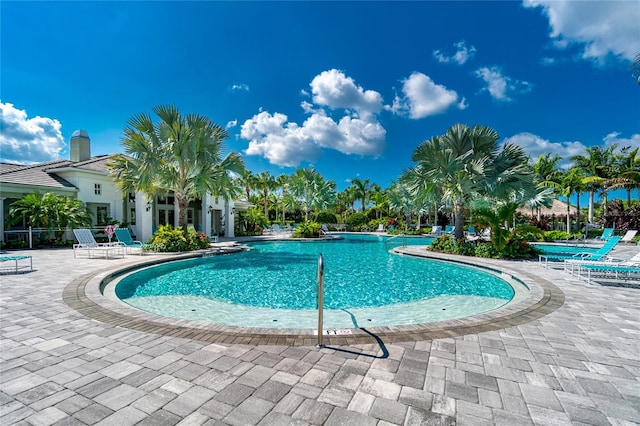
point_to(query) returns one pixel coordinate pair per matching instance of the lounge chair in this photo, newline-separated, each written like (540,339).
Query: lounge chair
(436,230)
(573,266)
(471,232)
(324,230)
(86,242)
(629,236)
(124,237)
(380,228)
(619,271)
(597,255)
(16,266)
(448,229)
(606,234)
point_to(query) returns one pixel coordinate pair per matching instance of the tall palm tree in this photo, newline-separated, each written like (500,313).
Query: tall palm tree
(597,166)
(362,188)
(266,183)
(546,173)
(572,182)
(627,174)
(466,162)
(182,154)
(248,181)
(312,190)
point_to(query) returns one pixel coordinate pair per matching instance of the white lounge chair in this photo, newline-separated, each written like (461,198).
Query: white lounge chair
(86,242)
(324,229)
(573,265)
(380,228)
(626,238)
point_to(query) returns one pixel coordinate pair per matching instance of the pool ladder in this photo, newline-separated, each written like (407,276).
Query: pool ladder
(403,242)
(320,297)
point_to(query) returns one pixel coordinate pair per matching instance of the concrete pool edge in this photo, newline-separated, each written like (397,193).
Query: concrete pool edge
(84,295)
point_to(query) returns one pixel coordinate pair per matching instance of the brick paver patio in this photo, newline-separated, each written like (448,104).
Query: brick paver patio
(573,357)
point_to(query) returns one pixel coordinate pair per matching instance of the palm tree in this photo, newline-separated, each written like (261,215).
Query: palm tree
(180,154)
(312,190)
(362,188)
(570,182)
(546,173)
(597,166)
(466,162)
(50,211)
(248,181)
(266,183)
(627,174)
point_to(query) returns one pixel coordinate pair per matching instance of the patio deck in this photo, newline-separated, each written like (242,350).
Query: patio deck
(573,361)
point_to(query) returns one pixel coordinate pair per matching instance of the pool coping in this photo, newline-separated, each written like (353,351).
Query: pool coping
(84,295)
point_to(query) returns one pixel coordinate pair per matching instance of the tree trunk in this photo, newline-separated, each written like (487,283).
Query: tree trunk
(568,216)
(591,196)
(578,212)
(182,204)
(459,219)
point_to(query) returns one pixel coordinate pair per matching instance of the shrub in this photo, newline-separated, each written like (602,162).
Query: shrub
(555,235)
(307,230)
(530,232)
(357,221)
(447,244)
(170,239)
(326,217)
(487,249)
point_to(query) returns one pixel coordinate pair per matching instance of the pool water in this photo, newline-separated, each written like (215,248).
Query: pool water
(275,282)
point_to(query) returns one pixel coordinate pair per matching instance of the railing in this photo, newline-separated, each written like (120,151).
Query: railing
(320,297)
(404,241)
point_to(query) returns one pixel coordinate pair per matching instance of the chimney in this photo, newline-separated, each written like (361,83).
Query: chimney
(80,146)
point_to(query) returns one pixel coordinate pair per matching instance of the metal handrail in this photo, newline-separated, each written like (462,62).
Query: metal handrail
(320,297)
(404,240)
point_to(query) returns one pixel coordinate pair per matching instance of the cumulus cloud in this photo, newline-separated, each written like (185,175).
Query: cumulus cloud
(613,138)
(600,28)
(356,129)
(422,97)
(28,140)
(239,88)
(500,86)
(337,91)
(462,54)
(535,146)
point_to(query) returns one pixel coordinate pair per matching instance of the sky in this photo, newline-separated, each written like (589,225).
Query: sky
(349,88)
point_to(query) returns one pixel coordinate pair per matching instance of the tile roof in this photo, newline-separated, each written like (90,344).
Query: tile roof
(44,174)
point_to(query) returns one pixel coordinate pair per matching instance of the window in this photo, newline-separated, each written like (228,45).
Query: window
(132,216)
(101,215)
(97,188)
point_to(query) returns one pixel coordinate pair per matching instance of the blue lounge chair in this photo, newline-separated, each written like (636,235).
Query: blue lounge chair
(16,265)
(126,240)
(606,234)
(597,255)
(618,271)
(448,229)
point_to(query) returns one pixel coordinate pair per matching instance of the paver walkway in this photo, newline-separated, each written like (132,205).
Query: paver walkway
(580,364)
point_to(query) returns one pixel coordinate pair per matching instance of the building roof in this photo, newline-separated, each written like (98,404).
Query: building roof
(45,174)
(558,208)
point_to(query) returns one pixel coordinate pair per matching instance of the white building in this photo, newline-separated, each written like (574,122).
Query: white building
(87,179)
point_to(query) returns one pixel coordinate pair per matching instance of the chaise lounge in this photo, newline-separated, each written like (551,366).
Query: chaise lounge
(87,243)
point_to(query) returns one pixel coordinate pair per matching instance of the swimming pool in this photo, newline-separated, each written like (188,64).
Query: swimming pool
(274,285)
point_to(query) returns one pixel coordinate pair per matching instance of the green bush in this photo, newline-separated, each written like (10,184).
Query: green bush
(170,239)
(326,217)
(357,221)
(307,230)
(530,232)
(486,249)
(555,235)
(447,244)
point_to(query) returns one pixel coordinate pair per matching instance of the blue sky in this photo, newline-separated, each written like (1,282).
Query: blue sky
(348,88)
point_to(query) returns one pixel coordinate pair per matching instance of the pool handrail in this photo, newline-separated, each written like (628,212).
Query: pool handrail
(320,296)
(404,240)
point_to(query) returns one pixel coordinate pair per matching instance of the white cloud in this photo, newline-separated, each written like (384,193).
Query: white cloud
(499,86)
(612,138)
(357,131)
(337,91)
(28,140)
(535,146)
(230,124)
(239,88)
(281,142)
(462,54)
(601,28)
(422,97)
